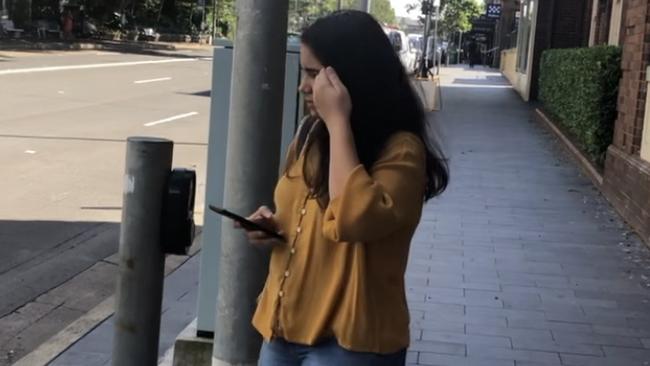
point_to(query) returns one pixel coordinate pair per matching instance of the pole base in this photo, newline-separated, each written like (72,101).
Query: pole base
(218,362)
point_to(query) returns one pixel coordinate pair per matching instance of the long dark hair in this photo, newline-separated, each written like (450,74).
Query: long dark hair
(383,100)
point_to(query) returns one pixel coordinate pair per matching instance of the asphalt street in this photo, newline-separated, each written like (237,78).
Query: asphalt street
(64,118)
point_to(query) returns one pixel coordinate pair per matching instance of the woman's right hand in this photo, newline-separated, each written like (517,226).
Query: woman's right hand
(264,217)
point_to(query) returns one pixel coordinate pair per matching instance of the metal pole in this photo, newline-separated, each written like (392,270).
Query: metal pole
(460,46)
(141,259)
(214,20)
(435,41)
(252,161)
(365,5)
(425,40)
(338,4)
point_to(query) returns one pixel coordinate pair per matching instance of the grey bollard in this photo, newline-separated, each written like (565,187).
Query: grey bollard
(141,259)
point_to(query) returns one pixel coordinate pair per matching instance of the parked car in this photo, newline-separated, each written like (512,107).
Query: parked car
(148,34)
(402,46)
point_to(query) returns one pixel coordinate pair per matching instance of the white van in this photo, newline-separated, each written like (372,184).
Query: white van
(401,45)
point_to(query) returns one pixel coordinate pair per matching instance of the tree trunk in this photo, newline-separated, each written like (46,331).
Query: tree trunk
(162,5)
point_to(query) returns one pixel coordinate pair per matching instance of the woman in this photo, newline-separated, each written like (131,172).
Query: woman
(348,204)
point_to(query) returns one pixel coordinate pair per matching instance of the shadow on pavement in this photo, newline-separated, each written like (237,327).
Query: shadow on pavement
(38,256)
(205,93)
(489,80)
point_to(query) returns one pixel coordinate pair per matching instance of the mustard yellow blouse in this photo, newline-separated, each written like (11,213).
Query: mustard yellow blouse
(341,272)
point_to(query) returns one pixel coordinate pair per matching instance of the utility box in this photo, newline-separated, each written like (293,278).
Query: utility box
(216,166)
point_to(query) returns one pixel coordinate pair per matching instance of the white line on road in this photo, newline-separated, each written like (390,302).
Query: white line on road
(151,80)
(93,66)
(170,119)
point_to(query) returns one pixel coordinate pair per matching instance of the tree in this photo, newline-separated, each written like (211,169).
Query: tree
(456,15)
(383,11)
(304,12)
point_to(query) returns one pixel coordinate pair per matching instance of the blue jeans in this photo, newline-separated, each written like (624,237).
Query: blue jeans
(279,352)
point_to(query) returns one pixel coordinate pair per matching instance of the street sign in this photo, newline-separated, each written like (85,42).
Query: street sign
(494,10)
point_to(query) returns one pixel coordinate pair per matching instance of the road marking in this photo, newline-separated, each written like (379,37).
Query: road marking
(92,66)
(151,80)
(170,119)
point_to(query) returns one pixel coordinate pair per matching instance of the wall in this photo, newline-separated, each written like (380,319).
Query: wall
(627,176)
(509,65)
(645,139)
(616,22)
(560,24)
(593,30)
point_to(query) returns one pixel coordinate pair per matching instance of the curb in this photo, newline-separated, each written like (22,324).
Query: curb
(100,45)
(75,331)
(577,155)
(61,341)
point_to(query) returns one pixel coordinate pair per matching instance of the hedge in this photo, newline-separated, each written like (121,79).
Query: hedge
(579,88)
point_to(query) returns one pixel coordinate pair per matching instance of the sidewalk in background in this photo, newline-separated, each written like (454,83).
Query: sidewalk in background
(77,45)
(520,262)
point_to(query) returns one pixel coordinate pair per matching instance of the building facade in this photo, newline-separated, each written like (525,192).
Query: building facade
(627,168)
(547,24)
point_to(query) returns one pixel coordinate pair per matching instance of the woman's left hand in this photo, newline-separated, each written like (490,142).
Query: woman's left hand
(331,99)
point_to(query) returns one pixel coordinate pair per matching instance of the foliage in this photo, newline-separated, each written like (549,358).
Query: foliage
(167,16)
(187,17)
(304,12)
(579,88)
(455,15)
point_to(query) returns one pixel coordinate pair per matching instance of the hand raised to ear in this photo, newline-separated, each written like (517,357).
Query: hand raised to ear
(331,98)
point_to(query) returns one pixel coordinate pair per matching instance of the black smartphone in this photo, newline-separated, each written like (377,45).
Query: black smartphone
(244,222)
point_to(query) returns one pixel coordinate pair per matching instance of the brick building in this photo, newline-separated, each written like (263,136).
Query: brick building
(626,180)
(542,25)
(538,26)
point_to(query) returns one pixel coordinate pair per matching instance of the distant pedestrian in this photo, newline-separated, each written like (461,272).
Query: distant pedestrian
(348,203)
(474,53)
(68,25)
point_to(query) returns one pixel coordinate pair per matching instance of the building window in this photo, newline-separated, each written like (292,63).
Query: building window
(526,18)
(615,23)
(645,138)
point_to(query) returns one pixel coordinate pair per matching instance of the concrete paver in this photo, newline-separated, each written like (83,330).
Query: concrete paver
(521,261)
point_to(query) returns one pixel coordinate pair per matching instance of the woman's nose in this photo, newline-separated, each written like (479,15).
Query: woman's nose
(305,87)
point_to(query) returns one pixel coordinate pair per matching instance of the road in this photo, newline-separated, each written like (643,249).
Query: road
(63,122)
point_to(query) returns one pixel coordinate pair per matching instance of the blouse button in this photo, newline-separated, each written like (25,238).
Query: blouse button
(298,229)
(281,293)
(286,273)
(293,250)
(303,212)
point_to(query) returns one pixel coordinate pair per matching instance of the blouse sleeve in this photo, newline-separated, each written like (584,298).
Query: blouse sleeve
(375,204)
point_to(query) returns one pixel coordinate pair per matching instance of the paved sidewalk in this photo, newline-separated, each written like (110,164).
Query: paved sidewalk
(521,261)
(178,310)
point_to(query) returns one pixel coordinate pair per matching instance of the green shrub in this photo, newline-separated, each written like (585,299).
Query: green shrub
(579,88)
